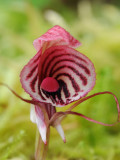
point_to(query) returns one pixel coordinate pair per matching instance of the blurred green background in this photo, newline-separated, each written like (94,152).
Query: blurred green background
(96,24)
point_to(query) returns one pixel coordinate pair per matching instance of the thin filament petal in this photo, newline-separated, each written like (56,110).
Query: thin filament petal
(23,99)
(96,94)
(40,121)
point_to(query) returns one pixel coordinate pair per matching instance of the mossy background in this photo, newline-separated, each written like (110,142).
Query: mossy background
(97,25)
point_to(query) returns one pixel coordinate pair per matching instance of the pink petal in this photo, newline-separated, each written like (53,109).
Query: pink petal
(36,116)
(32,114)
(60,131)
(41,123)
(55,36)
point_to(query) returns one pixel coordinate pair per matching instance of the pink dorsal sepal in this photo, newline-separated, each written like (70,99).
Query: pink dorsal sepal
(50,84)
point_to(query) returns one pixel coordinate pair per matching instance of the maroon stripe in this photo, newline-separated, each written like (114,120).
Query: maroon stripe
(47,107)
(54,96)
(31,72)
(80,65)
(74,84)
(81,76)
(50,109)
(66,54)
(37,58)
(32,83)
(40,92)
(43,73)
(65,89)
(58,56)
(53,110)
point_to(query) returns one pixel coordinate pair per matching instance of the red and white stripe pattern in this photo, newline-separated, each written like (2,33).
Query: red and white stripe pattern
(74,72)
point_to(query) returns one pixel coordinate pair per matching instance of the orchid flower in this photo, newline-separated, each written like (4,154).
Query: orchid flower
(55,77)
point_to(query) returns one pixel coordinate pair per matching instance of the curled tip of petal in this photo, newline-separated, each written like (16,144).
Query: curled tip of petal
(45,142)
(64,140)
(43,135)
(61,132)
(41,123)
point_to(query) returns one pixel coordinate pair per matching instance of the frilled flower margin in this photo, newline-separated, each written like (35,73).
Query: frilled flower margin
(41,148)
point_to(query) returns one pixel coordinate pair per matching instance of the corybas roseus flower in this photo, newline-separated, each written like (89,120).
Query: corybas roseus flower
(56,76)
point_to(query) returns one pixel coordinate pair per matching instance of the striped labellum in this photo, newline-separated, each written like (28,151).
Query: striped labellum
(58,74)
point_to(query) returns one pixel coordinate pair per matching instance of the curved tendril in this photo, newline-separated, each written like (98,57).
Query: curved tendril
(23,99)
(93,95)
(62,115)
(89,119)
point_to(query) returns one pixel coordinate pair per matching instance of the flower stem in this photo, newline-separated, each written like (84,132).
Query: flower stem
(40,147)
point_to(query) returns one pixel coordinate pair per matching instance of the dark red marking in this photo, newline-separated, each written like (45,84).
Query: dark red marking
(65,89)
(83,78)
(32,83)
(62,60)
(37,58)
(31,72)
(44,70)
(74,84)
(60,55)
